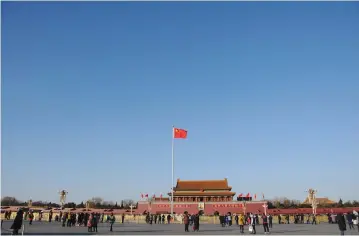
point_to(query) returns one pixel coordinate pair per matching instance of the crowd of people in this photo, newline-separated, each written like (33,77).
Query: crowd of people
(191,220)
(350,218)
(91,220)
(226,220)
(68,219)
(157,218)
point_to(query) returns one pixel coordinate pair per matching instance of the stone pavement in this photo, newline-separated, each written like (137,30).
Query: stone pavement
(54,228)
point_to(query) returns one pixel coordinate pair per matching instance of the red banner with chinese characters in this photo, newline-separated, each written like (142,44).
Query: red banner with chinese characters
(175,205)
(228,205)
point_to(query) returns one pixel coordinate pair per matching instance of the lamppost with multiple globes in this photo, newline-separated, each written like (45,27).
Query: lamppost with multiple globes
(265,206)
(244,207)
(131,206)
(312,199)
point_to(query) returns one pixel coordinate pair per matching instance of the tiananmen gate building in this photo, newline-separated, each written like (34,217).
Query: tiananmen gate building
(210,196)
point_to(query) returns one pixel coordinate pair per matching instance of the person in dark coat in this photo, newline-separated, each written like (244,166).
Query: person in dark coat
(186,222)
(314,222)
(350,220)
(168,219)
(31,217)
(265,224)
(17,222)
(341,224)
(270,221)
(50,216)
(196,223)
(221,220)
(94,223)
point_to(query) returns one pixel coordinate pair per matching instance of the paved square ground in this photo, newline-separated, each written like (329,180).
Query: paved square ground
(55,228)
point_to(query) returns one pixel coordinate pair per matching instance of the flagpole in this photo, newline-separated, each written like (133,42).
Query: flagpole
(173,169)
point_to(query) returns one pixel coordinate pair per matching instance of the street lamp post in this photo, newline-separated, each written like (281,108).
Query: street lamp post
(265,206)
(244,207)
(312,199)
(131,206)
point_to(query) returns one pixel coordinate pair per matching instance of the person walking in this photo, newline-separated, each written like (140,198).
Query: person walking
(287,219)
(350,220)
(196,223)
(356,219)
(222,220)
(69,223)
(241,223)
(265,224)
(94,223)
(31,217)
(112,220)
(168,219)
(252,224)
(341,223)
(186,222)
(17,224)
(50,216)
(314,222)
(270,221)
(89,223)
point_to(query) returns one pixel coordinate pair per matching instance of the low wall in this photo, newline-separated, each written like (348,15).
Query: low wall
(141,219)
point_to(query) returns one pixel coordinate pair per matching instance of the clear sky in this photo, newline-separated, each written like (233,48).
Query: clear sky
(269,94)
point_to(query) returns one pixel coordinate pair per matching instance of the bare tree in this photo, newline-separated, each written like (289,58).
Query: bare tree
(283,202)
(9,201)
(97,200)
(127,203)
(108,203)
(286,203)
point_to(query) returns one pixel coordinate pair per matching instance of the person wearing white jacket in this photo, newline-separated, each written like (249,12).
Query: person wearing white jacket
(253,223)
(356,219)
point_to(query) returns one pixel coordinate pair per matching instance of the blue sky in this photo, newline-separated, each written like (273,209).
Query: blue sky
(267,91)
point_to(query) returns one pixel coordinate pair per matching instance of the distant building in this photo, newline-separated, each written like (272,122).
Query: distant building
(320,201)
(210,196)
(202,191)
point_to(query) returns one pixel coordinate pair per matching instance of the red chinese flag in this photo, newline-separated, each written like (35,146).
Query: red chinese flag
(146,195)
(179,133)
(255,196)
(141,195)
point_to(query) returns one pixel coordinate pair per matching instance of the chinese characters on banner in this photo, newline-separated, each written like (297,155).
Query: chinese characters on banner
(188,206)
(176,206)
(228,205)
